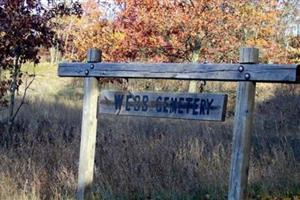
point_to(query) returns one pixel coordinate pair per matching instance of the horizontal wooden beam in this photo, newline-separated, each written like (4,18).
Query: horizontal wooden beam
(284,73)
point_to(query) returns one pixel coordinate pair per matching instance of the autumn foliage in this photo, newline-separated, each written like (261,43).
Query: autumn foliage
(169,31)
(25,27)
(143,30)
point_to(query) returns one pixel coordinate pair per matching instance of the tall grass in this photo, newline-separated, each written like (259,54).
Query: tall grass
(144,158)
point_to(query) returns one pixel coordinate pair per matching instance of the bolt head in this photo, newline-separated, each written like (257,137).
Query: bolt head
(241,68)
(92,66)
(247,76)
(86,72)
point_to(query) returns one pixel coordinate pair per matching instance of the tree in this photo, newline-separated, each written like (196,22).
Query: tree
(197,31)
(294,49)
(181,31)
(91,30)
(165,30)
(25,26)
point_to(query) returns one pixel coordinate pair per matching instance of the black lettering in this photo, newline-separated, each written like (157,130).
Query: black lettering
(137,105)
(128,104)
(180,105)
(195,106)
(209,103)
(158,104)
(118,101)
(188,104)
(173,105)
(145,103)
(202,107)
(165,108)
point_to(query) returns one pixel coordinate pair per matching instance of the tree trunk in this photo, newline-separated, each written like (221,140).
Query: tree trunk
(193,85)
(52,51)
(13,89)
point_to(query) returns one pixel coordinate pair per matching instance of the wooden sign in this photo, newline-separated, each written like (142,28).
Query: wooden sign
(176,105)
(167,105)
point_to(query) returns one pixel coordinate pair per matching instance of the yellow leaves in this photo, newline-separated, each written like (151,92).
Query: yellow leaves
(2,34)
(294,54)
(260,42)
(155,29)
(118,36)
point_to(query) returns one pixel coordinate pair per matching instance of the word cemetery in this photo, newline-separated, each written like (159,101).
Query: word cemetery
(175,105)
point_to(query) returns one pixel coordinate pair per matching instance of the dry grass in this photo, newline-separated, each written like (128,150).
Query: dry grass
(143,158)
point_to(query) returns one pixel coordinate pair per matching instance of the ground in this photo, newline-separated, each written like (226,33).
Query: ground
(145,158)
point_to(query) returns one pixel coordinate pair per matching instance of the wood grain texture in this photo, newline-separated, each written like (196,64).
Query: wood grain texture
(241,141)
(249,55)
(242,135)
(88,131)
(189,71)
(194,106)
(94,55)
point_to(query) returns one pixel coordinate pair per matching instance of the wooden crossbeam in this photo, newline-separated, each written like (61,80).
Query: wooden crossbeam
(280,73)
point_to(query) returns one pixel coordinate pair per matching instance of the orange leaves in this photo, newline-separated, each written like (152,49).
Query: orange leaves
(221,26)
(166,31)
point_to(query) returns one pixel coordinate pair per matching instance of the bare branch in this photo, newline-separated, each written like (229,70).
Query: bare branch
(27,85)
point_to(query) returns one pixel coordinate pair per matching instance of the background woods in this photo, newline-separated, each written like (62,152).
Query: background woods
(164,31)
(25,27)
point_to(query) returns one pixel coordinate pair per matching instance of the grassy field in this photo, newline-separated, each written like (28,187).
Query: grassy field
(144,158)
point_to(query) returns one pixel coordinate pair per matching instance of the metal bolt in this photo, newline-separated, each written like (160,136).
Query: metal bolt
(92,66)
(241,68)
(247,76)
(86,72)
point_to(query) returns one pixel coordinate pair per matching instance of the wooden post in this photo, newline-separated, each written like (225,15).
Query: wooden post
(242,129)
(88,128)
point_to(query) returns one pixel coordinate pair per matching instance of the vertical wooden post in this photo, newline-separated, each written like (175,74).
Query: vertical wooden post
(242,129)
(88,128)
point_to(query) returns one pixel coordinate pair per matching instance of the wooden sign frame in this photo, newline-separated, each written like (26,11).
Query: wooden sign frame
(247,73)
